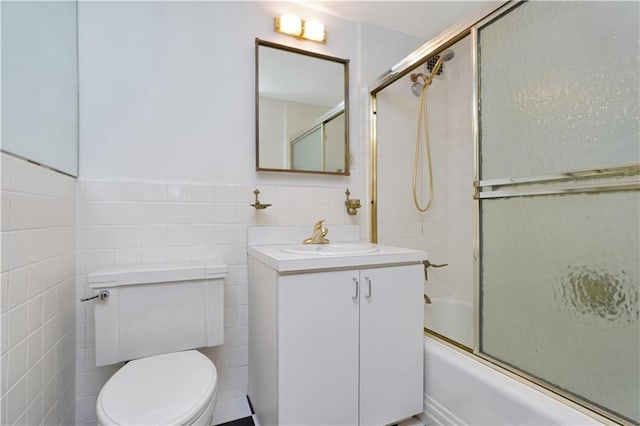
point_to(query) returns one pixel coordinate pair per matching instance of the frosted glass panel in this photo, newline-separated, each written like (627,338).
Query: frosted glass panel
(560,288)
(306,152)
(40,82)
(559,88)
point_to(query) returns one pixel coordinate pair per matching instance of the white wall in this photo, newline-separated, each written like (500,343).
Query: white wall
(167,150)
(37,294)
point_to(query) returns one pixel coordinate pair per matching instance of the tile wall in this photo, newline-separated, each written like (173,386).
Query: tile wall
(445,231)
(135,221)
(37,293)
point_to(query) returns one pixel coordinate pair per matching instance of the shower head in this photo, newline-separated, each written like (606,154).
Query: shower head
(416,88)
(447,55)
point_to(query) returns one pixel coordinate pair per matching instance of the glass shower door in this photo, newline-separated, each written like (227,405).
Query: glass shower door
(559,202)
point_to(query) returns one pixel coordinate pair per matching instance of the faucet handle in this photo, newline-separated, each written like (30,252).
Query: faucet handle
(318,224)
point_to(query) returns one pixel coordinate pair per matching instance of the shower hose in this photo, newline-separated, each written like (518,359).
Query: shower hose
(423,127)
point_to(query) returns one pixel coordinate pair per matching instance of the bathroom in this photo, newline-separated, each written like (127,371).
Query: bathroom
(165,171)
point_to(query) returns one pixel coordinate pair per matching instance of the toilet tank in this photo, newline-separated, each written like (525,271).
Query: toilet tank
(157,308)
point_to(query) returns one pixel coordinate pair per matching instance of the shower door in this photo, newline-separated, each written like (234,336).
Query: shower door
(557,178)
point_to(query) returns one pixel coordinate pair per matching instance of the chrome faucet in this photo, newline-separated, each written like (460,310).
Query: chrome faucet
(319,234)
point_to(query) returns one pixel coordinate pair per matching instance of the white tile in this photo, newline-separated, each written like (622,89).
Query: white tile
(236,336)
(178,254)
(245,195)
(35,311)
(96,259)
(285,195)
(36,279)
(127,190)
(4,333)
(202,213)
(86,359)
(154,255)
(225,194)
(179,192)
(203,235)
(99,213)
(180,235)
(127,256)
(154,235)
(230,234)
(86,409)
(204,253)
(202,193)
(95,237)
(17,321)
(128,212)
(232,357)
(154,191)
(34,411)
(4,292)
(154,213)
(179,213)
(233,378)
(235,295)
(90,383)
(16,401)
(35,346)
(18,287)
(127,236)
(34,381)
(5,179)
(16,363)
(224,213)
(310,213)
(96,190)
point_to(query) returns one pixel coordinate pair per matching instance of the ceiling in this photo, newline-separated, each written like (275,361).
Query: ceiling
(422,19)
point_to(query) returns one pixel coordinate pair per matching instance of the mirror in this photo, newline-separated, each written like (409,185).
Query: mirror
(302,110)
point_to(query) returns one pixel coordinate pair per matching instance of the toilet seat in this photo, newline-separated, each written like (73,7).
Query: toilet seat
(175,388)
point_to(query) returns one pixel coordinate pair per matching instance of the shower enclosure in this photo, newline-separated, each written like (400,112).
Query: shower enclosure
(535,137)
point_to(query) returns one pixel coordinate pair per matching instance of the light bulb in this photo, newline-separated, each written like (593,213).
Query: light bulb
(314,30)
(290,24)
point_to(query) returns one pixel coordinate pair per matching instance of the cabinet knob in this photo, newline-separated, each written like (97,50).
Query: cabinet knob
(368,280)
(355,295)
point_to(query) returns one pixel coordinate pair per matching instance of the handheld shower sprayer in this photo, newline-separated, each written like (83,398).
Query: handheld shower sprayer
(417,86)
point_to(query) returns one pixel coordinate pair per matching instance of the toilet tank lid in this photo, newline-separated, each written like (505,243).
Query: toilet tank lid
(115,276)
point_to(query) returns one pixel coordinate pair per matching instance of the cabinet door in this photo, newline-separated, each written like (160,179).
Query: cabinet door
(391,344)
(318,348)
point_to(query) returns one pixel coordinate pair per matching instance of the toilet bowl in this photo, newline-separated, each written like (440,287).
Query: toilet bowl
(177,388)
(153,317)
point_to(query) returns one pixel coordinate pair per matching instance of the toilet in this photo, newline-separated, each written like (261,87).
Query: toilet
(153,317)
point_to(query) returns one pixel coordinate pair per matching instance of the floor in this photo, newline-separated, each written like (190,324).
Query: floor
(245,421)
(233,412)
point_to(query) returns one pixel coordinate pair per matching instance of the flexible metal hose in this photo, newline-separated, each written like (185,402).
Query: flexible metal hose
(423,127)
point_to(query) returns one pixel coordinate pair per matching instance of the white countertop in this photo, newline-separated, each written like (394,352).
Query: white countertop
(276,259)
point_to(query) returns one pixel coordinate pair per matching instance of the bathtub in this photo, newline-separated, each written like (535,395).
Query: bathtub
(459,390)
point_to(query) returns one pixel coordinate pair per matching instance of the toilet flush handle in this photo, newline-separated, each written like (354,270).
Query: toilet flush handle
(102,295)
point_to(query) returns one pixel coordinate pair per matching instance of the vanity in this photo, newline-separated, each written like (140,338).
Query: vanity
(335,332)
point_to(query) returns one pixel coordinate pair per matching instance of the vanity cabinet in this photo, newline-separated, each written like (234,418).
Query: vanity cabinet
(338,346)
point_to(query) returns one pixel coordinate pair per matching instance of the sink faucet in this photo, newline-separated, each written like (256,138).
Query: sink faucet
(319,234)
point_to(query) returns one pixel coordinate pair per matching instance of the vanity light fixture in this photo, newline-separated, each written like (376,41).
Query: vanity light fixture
(293,25)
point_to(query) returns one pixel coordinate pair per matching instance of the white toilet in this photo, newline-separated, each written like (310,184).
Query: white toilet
(154,316)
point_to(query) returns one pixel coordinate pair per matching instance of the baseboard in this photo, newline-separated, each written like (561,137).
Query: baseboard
(436,414)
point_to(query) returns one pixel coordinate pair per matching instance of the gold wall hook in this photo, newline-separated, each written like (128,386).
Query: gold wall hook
(352,205)
(258,205)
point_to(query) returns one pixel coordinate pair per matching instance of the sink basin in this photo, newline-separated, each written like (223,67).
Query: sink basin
(331,248)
